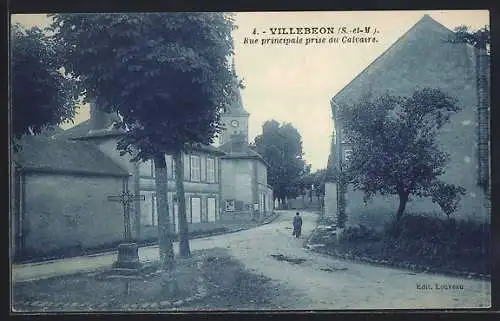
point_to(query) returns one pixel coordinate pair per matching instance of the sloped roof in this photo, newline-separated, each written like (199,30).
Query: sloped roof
(43,154)
(82,132)
(236,108)
(205,148)
(239,149)
(78,130)
(51,131)
(414,60)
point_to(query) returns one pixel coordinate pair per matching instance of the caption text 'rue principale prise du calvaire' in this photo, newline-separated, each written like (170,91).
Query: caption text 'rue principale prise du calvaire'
(307,36)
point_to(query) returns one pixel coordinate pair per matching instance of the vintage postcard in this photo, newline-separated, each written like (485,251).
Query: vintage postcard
(250,161)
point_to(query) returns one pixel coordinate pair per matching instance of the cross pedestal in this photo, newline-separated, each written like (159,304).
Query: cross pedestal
(128,256)
(128,252)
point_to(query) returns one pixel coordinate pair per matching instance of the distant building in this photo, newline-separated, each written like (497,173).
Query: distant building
(62,180)
(424,57)
(244,181)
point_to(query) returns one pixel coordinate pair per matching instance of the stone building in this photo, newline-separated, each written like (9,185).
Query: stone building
(423,57)
(244,185)
(62,181)
(59,197)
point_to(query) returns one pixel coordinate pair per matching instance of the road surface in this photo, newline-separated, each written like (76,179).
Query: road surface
(342,285)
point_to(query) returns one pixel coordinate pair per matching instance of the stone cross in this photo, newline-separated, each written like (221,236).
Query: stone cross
(126,198)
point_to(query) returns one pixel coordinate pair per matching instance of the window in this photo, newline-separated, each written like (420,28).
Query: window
(195,168)
(149,217)
(170,167)
(230,206)
(343,136)
(211,209)
(347,154)
(195,210)
(146,169)
(210,170)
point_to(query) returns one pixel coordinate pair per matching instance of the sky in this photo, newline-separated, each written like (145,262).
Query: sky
(294,83)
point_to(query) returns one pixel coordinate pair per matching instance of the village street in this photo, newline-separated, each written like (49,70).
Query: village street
(345,285)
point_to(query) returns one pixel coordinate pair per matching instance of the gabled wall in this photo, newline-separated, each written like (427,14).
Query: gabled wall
(236,180)
(424,58)
(66,211)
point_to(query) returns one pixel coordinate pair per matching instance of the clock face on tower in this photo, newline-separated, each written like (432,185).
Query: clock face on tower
(234,123)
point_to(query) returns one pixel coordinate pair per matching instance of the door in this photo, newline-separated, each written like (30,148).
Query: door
(211,209)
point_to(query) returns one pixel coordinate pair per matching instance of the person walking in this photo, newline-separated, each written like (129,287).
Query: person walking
(297,225)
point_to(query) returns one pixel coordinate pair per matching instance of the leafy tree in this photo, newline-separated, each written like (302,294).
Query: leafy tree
(306,180)
(167,75)
(281,147)
(42,96)
(394,147)
(316,180)
(319,178)
(479,38)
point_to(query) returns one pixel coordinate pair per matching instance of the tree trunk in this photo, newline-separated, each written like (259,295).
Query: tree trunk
(184,250)
(403,199)
(164,226)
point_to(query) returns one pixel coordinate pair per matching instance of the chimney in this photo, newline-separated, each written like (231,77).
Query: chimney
(100,120)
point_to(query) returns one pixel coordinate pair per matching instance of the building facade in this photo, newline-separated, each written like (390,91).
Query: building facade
(59,198)
(423,57)
(244,185)
(62,182)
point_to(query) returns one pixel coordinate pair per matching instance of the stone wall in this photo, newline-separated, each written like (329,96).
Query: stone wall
(424,58)
(237,180)
(62,211)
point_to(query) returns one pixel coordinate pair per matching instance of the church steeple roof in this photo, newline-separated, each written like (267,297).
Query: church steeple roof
(236,108)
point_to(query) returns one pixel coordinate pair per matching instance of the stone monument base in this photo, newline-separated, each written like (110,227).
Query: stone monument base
(128,256)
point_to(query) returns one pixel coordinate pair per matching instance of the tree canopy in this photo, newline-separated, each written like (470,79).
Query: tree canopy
(394,146)
(281,147)
(314,182)
(163,73)
(169,77)
(41,94)
(479,38)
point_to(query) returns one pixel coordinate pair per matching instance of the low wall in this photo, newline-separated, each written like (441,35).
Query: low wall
(381,209)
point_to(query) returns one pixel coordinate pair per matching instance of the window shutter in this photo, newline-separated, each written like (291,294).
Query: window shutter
(187,168)
(203,162)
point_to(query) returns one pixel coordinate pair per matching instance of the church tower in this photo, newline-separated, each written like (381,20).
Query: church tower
(235,118)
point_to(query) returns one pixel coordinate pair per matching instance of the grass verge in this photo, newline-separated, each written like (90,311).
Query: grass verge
(208,280)
(422,243)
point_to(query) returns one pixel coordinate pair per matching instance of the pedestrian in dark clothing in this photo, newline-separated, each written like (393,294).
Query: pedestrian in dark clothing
(297,225)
